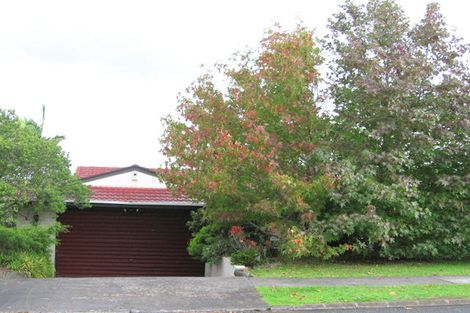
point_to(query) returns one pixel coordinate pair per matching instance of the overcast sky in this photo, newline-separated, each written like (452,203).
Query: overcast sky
(107,71)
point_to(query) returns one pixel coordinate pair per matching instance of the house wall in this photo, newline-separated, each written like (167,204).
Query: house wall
(132,179)
(46,218)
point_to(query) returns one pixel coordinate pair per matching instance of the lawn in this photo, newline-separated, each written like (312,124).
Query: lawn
(385,269)
(341,294)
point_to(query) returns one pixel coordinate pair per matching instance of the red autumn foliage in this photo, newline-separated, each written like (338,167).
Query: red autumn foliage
(235,230)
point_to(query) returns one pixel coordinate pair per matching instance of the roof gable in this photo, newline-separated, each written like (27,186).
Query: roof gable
(132,185)
(90,173)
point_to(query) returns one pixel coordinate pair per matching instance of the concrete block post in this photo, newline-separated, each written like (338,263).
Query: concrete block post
(223,268)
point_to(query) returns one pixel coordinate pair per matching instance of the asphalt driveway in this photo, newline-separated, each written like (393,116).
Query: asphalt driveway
(177,294)
(118,294)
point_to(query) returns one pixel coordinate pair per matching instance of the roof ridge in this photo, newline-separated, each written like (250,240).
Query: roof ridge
(95,166)
(90,172)
(124,187)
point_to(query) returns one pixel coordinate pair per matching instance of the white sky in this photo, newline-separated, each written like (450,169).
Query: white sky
(107,71)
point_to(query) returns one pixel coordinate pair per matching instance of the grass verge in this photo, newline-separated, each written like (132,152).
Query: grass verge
(385,269)
(295,296)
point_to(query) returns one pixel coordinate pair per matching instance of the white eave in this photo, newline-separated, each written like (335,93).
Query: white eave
(161,203)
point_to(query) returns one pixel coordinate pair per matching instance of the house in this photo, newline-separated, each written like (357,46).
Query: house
(134,227)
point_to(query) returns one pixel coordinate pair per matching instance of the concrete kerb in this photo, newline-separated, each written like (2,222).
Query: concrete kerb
(374,305)
(335,306)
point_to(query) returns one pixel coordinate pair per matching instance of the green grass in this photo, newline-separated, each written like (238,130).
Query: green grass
(384,269)
(339,294)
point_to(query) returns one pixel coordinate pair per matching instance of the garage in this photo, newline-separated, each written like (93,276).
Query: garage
(128,231)
(125,242)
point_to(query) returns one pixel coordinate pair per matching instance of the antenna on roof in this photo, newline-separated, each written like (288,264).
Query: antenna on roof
(43,117)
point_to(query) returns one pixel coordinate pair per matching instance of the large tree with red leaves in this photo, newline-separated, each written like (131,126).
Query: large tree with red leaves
(245,150)
(387,176)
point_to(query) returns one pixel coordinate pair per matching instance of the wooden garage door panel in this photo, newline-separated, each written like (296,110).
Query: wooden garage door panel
(125,242)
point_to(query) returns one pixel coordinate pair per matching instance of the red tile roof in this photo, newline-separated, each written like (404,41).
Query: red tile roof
(136,195)
(128,195)
(89,171)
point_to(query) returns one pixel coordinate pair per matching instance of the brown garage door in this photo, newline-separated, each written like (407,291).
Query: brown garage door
(125,242)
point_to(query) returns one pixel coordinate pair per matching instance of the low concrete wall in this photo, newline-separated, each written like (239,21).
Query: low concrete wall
(7,274)
(223,268)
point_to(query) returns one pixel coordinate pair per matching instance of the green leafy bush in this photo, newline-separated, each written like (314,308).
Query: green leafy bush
(26,249)
(33,265)
(246,244)
(34,239)
(209,244)
(249,257)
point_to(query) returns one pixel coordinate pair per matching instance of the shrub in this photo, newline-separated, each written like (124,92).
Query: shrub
(34,239)
(249,257)
(209,244)
(33,265)
(26,249)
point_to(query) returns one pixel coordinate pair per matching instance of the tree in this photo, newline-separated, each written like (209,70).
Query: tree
(402,128)
(246,150)
(34,171)
(386,176)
